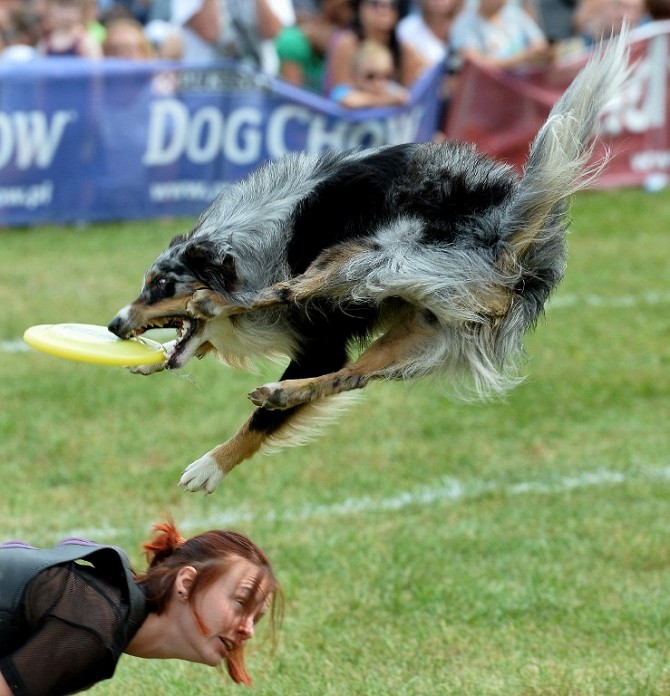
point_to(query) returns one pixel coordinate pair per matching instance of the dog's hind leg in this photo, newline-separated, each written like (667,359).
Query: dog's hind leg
(407,349)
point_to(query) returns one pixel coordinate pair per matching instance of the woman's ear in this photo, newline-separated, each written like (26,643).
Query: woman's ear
(184,581)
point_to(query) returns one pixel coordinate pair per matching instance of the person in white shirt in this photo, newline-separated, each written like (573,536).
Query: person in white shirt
(213,29)
(428,29)
(500,34)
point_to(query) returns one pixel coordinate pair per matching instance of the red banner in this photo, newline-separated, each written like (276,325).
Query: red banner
(500,112)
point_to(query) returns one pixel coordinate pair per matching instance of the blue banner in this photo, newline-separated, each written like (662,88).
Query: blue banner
(109,140)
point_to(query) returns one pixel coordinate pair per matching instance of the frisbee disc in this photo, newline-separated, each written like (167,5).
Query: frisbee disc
(93,344)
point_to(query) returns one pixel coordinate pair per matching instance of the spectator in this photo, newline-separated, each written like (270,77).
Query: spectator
(556,19)
(19,36)
(599,19)
(429,29)
(125,38)
(374,20)
(501,35)
(65,624)
(215,29)
(6,9)
(302,48)
(66,31)
(373,85)
(165,38)
(283,10)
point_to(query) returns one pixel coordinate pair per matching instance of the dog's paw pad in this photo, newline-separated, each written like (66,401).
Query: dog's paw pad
(203,474)
(270,396)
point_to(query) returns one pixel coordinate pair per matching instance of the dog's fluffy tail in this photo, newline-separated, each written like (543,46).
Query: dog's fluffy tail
(557,165)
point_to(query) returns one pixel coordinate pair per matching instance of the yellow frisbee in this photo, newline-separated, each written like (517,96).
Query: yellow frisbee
(93,344)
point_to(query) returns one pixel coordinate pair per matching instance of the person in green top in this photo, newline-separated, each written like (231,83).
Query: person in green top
(302,48)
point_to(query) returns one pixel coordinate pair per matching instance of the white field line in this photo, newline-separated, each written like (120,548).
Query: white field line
(563,301)
(445,490)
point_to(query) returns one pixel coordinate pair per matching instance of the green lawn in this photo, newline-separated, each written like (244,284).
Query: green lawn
(425,547)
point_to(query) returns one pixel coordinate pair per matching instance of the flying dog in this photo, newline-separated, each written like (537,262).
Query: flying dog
(391,263)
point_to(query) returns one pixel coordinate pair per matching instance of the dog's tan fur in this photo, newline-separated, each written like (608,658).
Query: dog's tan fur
(427,258)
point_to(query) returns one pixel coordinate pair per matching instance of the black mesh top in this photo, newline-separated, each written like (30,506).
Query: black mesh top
(75,631)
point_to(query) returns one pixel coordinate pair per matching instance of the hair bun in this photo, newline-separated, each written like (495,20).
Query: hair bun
(164,544)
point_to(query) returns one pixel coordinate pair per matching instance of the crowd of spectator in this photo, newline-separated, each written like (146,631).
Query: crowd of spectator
(357,52)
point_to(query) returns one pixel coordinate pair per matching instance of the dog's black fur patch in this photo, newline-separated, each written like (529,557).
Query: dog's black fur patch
(397,262)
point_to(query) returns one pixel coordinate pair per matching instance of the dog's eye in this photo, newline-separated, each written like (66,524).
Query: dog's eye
(161,283)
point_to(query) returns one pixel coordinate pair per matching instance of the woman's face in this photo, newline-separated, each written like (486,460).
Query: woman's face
(229,609)
(379,14)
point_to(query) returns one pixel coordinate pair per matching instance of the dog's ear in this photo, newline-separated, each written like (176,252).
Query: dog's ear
(176,241)
(214,269)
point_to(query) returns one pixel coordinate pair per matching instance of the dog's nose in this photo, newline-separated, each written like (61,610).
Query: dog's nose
(116,326)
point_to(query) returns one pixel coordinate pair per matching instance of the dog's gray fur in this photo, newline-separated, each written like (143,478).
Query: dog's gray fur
(453,299)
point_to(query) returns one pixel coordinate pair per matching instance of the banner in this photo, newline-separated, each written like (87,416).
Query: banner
(106,140)
(500,112)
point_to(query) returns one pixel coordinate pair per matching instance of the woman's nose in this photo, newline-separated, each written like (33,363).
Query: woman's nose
(246,628)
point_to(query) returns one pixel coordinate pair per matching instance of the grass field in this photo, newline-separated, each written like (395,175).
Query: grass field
(425,547)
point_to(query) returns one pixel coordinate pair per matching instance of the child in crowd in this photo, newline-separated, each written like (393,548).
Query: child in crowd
(372,85)
(126,39)
(67,34)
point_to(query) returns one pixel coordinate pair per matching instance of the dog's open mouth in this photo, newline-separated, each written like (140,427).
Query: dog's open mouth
(185,345)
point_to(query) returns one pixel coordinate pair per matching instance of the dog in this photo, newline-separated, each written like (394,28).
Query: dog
(394,263)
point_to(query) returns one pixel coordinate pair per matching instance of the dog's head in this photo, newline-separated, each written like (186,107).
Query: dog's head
(187,265)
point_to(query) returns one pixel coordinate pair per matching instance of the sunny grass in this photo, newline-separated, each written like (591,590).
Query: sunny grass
(557,593)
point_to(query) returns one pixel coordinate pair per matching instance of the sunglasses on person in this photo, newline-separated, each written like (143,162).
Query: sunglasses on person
(371,75)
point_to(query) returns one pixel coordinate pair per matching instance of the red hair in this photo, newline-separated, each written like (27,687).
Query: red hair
(211,553)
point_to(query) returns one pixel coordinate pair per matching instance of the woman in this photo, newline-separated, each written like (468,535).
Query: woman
(69,612)
(374,20)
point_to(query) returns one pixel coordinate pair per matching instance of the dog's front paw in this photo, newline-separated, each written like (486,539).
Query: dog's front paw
(203,474)
(204,304)
(271,396)
(147,369)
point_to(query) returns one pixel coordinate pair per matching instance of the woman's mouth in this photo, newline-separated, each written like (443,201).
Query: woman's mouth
(228,645)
